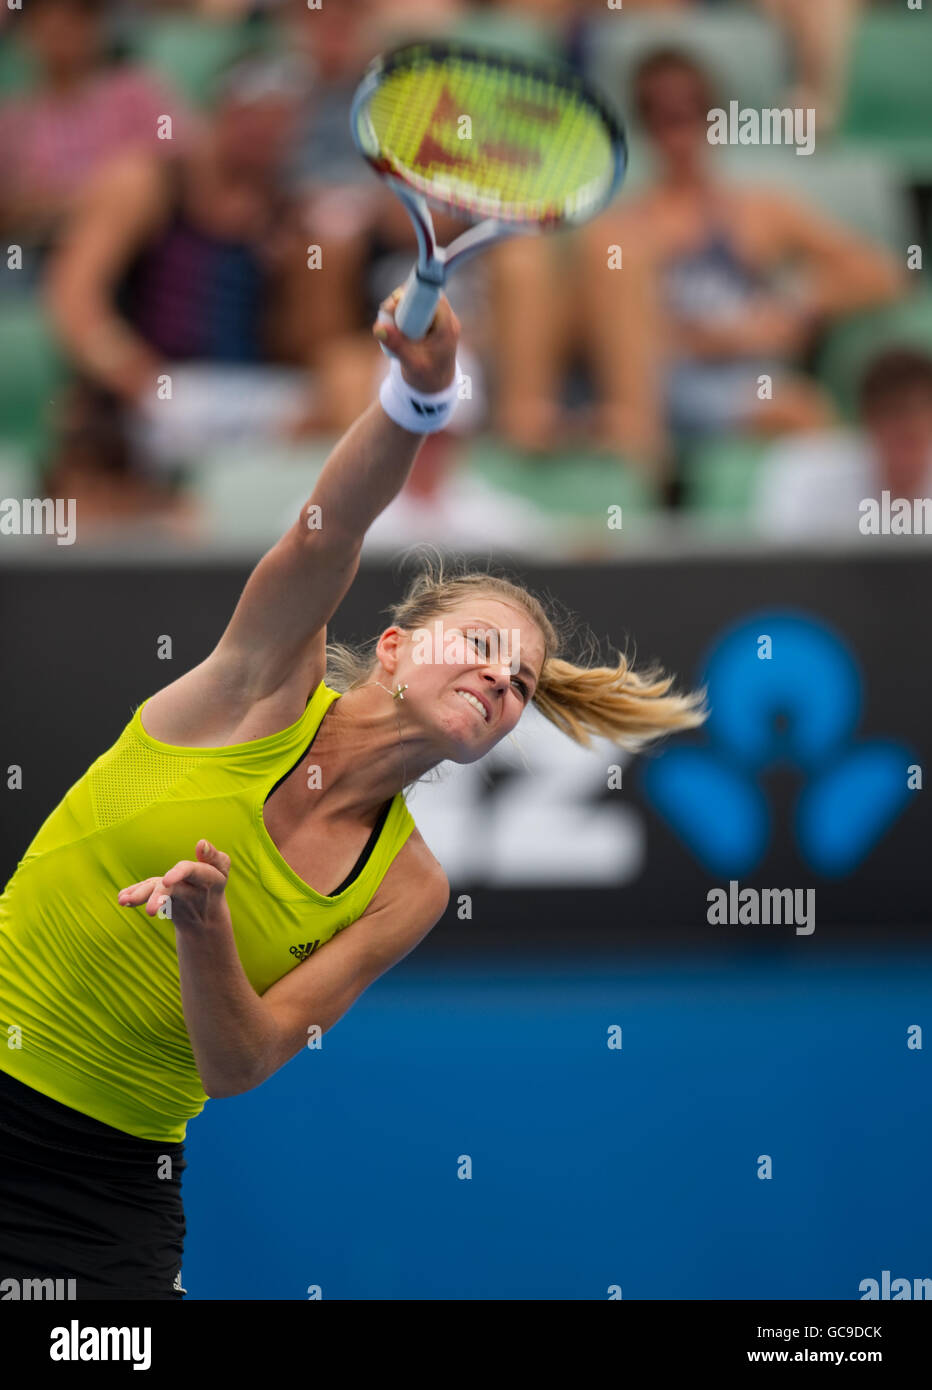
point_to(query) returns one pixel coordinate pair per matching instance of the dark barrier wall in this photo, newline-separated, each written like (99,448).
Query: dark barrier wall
(808,776)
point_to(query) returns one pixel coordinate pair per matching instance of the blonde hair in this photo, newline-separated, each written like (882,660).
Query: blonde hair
(629,707)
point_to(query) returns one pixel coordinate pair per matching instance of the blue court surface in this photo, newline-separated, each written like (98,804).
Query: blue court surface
(591,1167)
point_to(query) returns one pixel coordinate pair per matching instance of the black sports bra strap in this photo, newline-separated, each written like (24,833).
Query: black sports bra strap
(367,849)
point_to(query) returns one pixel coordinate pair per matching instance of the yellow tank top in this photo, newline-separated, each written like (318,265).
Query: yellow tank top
(90,1000)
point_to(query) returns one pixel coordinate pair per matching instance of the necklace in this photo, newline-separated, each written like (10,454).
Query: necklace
(398,695)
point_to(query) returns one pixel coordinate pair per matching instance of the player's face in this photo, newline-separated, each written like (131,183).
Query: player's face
(471,674)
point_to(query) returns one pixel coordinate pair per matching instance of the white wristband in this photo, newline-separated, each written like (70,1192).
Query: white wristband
(418,411)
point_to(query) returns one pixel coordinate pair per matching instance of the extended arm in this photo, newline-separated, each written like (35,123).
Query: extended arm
(257,679)
(239,1037)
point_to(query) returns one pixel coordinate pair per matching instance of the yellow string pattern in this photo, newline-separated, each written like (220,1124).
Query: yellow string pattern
(493,141)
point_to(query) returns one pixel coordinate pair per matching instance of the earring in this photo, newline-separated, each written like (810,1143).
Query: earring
(399,694)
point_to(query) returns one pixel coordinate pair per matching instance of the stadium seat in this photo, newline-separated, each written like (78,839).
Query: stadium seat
(889,97)
(189,52)
(571,485)
(744,54)
(17,69)
(243,501)
(510,32)
(719,476)
(850,346)
(18,472)
(32,370)
(578,489)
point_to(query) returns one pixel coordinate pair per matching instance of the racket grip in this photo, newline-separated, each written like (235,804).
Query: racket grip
(416,308)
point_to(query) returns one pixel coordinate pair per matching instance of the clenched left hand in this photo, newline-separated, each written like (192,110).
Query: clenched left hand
(195,890)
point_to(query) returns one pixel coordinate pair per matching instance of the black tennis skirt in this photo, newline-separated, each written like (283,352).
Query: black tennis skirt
(91,1212)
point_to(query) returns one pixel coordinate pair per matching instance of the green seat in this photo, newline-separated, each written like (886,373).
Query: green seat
(889,96)
(851,345)
(575,491)
(17,69)
(32,372)
(572,485)
(506,32)
(223,483)
(743,53)
(19,473)
(189,52)
(719,477)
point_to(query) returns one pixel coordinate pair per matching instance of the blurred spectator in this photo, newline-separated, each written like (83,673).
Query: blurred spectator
(209,9)
(677,338)
(334,44)
(820,35)
(86,108)
(176,271)
(813,486)
(92,464)
(340,198)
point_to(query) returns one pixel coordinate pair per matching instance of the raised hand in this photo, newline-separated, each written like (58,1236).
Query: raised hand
(429,363)
(191,892)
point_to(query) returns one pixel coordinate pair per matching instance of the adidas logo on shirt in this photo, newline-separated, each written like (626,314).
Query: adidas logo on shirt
(304,950)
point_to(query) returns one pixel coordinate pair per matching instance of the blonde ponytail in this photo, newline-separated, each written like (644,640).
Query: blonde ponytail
(615,702)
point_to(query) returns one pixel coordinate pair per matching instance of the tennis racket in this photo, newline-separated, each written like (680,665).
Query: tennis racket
(525,146)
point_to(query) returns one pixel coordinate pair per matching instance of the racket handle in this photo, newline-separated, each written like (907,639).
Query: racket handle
(416,308)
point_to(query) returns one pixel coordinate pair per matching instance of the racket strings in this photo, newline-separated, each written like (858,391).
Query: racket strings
(533,149)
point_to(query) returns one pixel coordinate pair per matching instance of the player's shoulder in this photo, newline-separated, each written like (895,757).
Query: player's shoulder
(434,886)
(417,878)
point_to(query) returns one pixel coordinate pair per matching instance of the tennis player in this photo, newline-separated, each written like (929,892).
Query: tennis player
(227,879)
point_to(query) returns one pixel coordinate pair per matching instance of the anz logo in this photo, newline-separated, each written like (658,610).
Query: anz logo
(537,811)
(783,690)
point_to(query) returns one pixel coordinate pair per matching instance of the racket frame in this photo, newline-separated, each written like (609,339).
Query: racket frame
(415,310)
